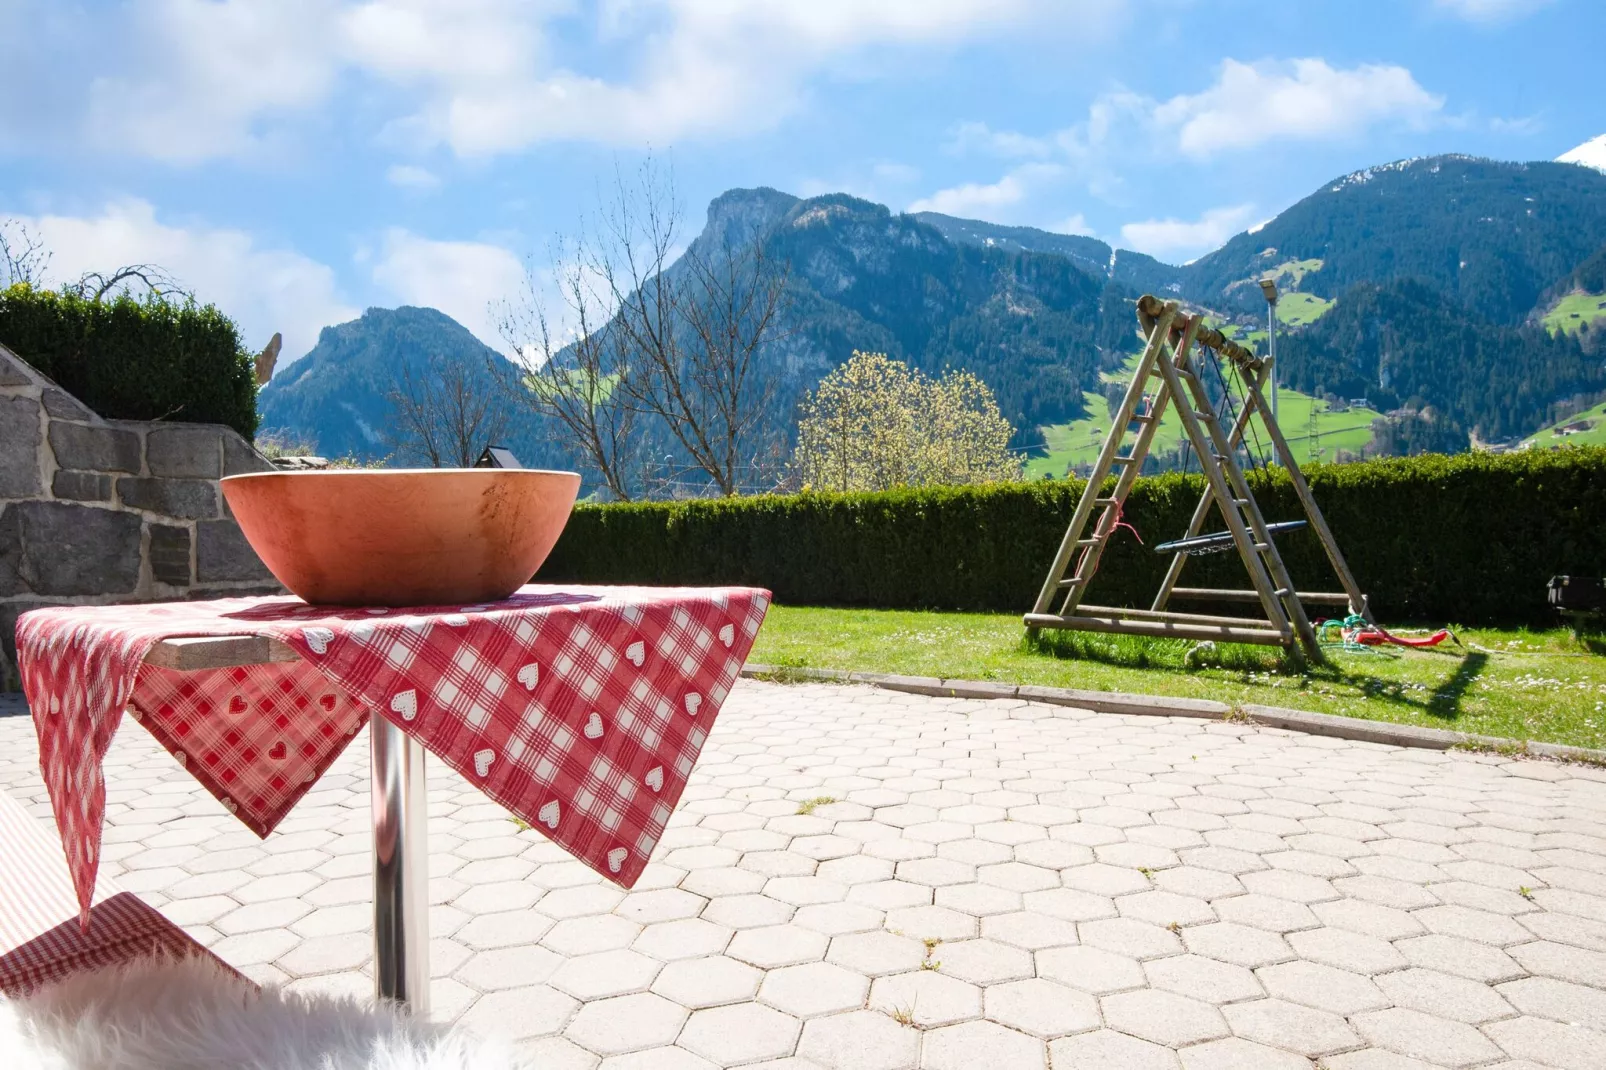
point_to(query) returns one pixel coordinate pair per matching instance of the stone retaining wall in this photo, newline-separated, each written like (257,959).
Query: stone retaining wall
(97,511)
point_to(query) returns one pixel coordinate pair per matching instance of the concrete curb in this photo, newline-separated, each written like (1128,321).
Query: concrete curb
(1317,724)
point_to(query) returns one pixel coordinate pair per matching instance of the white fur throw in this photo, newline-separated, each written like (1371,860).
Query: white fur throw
(192,1015)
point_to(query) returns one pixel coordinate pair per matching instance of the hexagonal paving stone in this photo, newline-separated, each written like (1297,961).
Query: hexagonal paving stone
(1107,1050)
(708,982)
(931,923)
(1041,1008)
(1463,958)
(876,954)
(1547,997)
(1202,978)
(982,961)
(585,936)
(926,998)
(517,1013)
(813,989)
(1163,1017)
(684,938)
(1234,1053)
(1028,930)
(1323,987)
(1089,969)
(1237,944)
(1280,1024)
(610,973)
(665,1058)
(626,1023)
(1549,1043)
(1423,1036)
(740,1033)
(777,945)
(509,967)
(975,1044)
(859,1040)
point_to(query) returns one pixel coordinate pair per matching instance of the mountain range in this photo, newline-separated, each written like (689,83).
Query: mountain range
(1424,284)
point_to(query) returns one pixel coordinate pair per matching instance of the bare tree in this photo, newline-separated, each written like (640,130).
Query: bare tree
(446,413)
(677,342)
(23,256)
(575,381)
(154,280)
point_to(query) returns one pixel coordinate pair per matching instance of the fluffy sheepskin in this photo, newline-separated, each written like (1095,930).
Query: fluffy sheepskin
(192,1015)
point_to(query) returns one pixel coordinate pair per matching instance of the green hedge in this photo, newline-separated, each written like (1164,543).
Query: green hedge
(1470,538)
(135,360)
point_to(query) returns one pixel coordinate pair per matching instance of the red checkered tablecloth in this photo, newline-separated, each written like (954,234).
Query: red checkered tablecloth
(580,709)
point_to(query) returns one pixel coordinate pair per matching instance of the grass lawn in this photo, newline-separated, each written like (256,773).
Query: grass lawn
(1532,685)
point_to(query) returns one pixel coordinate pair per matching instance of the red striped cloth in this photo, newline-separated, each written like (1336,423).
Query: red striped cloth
(40,938)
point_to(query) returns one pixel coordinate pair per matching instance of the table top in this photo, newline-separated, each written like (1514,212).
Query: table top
(581,709)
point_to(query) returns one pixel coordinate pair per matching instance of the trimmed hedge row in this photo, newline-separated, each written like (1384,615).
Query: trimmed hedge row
(135,360)
(1470,538)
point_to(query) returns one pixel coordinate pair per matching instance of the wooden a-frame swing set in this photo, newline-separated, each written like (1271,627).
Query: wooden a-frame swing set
(1175,344)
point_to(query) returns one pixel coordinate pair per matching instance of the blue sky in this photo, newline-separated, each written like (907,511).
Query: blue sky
(296,161)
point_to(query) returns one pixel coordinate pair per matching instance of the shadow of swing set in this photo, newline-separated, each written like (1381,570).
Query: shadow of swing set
(1176,353)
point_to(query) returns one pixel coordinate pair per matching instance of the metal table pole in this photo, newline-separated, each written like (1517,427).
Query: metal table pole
(401,868)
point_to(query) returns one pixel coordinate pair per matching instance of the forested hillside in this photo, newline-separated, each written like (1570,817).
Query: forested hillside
(1493,236)
(1403,344)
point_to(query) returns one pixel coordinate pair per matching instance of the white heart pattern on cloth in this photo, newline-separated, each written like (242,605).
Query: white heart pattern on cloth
(637,653)
(655,778)
(593,727)
(318,639)
(483,760)
(694,702)
(456,620)
(406,704)
(529,676)
(727,635)
(231,806)
(616,858)
(183,759)
(548,815)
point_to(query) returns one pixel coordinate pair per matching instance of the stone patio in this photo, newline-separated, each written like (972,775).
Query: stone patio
(866,879)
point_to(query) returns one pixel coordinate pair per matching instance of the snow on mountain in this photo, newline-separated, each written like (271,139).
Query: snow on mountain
(1591,153)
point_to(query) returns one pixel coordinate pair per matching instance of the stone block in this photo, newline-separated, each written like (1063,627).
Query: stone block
(184,451)
(19,448)
(61,548)
(170,554)
(240,457)
(92,448)
(81,486)
(63,406)
(188,499)
(222,555)
(13,372)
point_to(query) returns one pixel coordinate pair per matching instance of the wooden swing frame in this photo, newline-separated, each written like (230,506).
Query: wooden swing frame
(1168,356)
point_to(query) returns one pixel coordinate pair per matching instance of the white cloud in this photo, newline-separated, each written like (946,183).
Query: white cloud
(263,290)
(1304,99)
(1169,239)
(411,177)
(208,76)
(1073,224)
(464,279)
(187,80)
(1488,11)
(991,201)
(972,137)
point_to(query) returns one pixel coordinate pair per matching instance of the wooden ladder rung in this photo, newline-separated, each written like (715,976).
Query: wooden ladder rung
(1122,460)
(1161,628)
(1106,501)
(1088,542)
(1143,419)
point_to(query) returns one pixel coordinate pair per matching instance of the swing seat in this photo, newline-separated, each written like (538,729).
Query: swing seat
(1219,540)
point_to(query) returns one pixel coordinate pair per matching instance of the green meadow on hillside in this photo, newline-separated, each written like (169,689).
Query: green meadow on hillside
(1575,310)
(1313,430)
(1593,435)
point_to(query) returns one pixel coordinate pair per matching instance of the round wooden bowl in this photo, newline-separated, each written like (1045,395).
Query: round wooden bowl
(424,537)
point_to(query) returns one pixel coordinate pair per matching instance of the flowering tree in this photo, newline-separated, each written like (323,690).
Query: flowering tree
(875,423)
